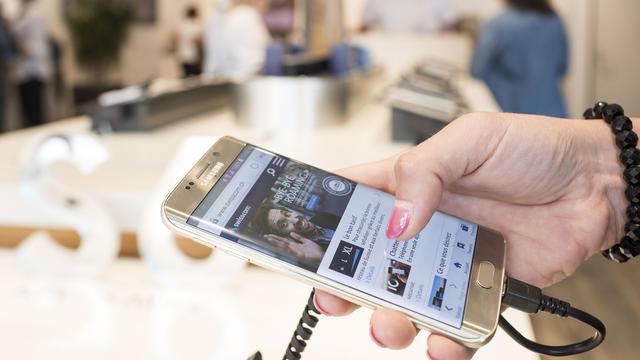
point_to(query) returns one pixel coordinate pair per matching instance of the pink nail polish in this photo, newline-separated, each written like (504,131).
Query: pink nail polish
(398,222)
(374,338)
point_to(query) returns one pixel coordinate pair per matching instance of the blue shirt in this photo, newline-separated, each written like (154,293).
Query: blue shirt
(522,56)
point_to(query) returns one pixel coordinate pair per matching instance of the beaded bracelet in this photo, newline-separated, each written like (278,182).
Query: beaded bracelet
(626,139)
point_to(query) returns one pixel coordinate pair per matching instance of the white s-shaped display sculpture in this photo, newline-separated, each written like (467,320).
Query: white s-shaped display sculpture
(100,239)
(158,245)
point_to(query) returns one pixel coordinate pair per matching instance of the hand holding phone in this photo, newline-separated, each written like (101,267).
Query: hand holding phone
(540,181)
(329,231)
(532,178)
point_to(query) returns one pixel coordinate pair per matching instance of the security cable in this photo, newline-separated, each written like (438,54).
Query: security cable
(301,335)
(517,295)
(304,330)
(529,299)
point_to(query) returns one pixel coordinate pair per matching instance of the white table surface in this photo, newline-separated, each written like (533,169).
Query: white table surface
(126,315)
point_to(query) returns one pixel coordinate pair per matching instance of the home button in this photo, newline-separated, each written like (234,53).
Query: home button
(485,275)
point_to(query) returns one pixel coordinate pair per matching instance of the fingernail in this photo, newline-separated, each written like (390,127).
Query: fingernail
(374,338)
(399,220)
(317,305)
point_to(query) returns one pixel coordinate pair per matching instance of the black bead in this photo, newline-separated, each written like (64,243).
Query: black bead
(621,123)
(588,114)
(633,214)
(614,254)
(632,175)
(632,232)
(627,227)
(630,226)
(635,245)
(626,139)
(633,194)
(629,248)
(610,111)
(630,156)
(618,255)
(597,109)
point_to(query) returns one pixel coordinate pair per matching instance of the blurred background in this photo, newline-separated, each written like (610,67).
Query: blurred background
(137,50)
(105,104)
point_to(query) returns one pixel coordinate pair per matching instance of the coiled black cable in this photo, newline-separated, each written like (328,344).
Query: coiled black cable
(518,295)
(304,330)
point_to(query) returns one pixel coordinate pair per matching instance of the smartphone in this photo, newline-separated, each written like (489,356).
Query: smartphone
(329,232)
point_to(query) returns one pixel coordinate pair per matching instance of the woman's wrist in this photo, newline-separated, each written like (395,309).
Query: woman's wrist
(607,170)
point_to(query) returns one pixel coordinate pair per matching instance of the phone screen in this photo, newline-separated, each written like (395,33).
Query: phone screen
(336,228)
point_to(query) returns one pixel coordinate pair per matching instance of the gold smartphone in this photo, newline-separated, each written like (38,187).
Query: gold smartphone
(329,232)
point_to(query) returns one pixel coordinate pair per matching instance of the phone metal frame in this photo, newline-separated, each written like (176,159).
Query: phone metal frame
(482,307)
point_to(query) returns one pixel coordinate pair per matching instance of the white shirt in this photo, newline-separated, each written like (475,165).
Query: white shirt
(31,33)
(408,15)
(235,43)
(188,37)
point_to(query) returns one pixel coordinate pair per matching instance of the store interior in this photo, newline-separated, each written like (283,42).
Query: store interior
(106,105)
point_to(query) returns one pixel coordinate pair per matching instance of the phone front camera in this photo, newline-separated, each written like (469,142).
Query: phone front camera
(215,153)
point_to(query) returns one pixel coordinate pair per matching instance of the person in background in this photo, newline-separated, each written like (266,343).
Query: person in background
(522,55)
(422,16)
(279,18)
(33,64)
(7,51)
(189,43)
(235,39)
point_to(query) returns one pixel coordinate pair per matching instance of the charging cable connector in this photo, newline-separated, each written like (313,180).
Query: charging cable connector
(530,299)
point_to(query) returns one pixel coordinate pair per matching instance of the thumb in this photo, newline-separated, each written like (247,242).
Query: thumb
(422,173)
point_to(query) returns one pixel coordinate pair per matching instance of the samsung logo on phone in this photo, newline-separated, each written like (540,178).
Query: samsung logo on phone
(206,179)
